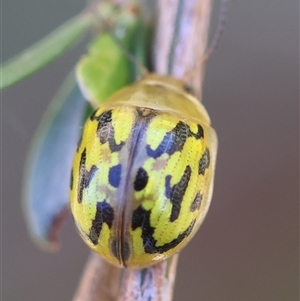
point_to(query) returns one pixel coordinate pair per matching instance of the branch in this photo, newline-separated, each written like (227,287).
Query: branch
(100,281)
(181,40)
(152,284)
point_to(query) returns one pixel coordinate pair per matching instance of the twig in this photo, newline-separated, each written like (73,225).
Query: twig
(181,40)
(152,284)
(100,281)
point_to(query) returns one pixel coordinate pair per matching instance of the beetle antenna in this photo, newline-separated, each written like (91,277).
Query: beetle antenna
(223,17)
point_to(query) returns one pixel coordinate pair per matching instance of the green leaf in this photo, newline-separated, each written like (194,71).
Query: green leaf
(107,67)
(45,51)
(48,168)
(104,71)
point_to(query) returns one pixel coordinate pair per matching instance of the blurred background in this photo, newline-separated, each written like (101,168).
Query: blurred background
(247,249)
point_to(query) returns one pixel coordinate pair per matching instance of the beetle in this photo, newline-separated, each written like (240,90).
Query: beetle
(142,175)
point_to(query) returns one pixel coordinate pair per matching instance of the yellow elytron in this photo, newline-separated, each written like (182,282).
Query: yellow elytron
(142,176)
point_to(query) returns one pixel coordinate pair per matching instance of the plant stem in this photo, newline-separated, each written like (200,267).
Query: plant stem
(151,284)
(181,40)
(100,281)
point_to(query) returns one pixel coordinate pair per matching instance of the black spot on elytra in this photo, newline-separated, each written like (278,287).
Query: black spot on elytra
(141,218)
(104,215)
(93,116)
(199,134)
(196,202)
(141,179)
(204,162)
(115,249)
(114,175)
(106,131)
(71,180)
(122,253)
(79,141)
(176,193)
(85,176)
(174,140)
(126,251)
(189,89)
